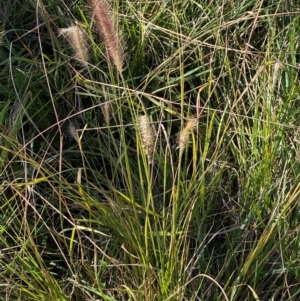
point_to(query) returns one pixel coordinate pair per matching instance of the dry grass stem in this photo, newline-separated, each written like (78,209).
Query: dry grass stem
(104,24)
(184,134)
(147,135)
(78,42)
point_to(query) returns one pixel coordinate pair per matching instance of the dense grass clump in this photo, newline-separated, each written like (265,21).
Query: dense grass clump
(149,150)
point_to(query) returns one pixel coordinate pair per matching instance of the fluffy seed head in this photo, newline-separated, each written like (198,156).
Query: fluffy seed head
(1,36)
(108,32)
(147,136)
(77,39)
(276,74)
(72,131)
(184,134)
(107,111)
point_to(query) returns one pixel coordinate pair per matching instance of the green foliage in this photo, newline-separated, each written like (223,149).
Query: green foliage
(196,201)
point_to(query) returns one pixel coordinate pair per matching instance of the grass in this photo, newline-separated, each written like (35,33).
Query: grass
(165,169)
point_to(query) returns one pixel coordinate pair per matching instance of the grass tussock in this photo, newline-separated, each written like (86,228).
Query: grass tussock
(210,93)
